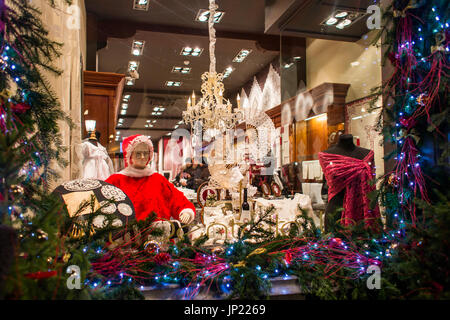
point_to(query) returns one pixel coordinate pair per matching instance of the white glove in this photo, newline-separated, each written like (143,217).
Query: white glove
(187,216)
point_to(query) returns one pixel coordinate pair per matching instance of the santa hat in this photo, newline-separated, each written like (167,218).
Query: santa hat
(129,143)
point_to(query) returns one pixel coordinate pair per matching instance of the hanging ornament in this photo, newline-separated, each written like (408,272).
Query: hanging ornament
(440,40)
(3,63)
(218,250)
(162,258)
(42,235)
(422,99)
(393,181)
(152,246)
(16,190)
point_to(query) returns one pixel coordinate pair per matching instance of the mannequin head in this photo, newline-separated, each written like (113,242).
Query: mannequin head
(140,156)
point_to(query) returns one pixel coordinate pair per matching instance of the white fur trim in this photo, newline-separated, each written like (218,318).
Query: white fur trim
(135,142)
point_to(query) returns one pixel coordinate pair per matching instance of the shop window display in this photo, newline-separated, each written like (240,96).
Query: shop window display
(277,169)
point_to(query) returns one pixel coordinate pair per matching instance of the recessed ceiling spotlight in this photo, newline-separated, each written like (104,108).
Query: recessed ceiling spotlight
(183,70)
(130,81)
(331,21)
(154,121)
(176,126)
(161,108)
(124,105)
(188,51)
(180,122)
(343,24)
(173,83)
(203,16)
(126,97)
(341,19)
(133,66)
(123,112)
(155,108)
(137,48)
(341,14)
(228,72)
(242,55)
(120,120)
(141,5)
(170,133)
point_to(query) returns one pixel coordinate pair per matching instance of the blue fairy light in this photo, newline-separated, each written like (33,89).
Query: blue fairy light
(258,268)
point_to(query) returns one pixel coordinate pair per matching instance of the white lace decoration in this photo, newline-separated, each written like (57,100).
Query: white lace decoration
(81,185)
(113,193)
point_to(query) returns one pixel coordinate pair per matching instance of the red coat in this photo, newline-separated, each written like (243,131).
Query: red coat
(152,193)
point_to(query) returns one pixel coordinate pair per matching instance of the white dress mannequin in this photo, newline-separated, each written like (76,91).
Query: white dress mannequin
(95,162)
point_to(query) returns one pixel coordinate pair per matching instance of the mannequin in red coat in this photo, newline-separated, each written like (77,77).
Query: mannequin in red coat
(149,191)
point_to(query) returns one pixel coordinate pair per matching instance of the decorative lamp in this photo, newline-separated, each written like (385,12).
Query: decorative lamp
(90,128)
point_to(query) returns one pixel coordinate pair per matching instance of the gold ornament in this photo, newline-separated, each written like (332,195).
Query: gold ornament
(152,246)
(218,250)
(440,39)
(66,257)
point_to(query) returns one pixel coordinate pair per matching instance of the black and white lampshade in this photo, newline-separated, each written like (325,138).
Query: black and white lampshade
(108,198)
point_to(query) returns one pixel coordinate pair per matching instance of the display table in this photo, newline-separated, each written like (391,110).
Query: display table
(222,225)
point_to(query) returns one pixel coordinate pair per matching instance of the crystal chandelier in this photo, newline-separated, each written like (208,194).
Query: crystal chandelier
(213,112)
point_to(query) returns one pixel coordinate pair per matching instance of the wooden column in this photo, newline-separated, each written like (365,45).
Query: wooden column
(102,95)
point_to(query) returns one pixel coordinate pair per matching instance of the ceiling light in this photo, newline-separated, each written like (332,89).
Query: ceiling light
(159,113)
(331,21)
(346,22)
(120,120)
(146,125)
(148,121)
(184,70)
(173,83)
(228,72)
(179,122)
(162,109)
(203,16)
(126,97)
(133,66)
(130,81)
(123,112)
(141,5)
(153,113)
(137,48)
(341,14)
(242,55)
(156,108)
(188,51)
(340,19)
(169,133)
(154,121)
(124,105)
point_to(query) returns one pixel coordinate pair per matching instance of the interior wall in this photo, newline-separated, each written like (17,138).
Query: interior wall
(356,63)
(67,25)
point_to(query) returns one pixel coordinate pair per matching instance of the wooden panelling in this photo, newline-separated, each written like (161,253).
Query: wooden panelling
(102,93)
